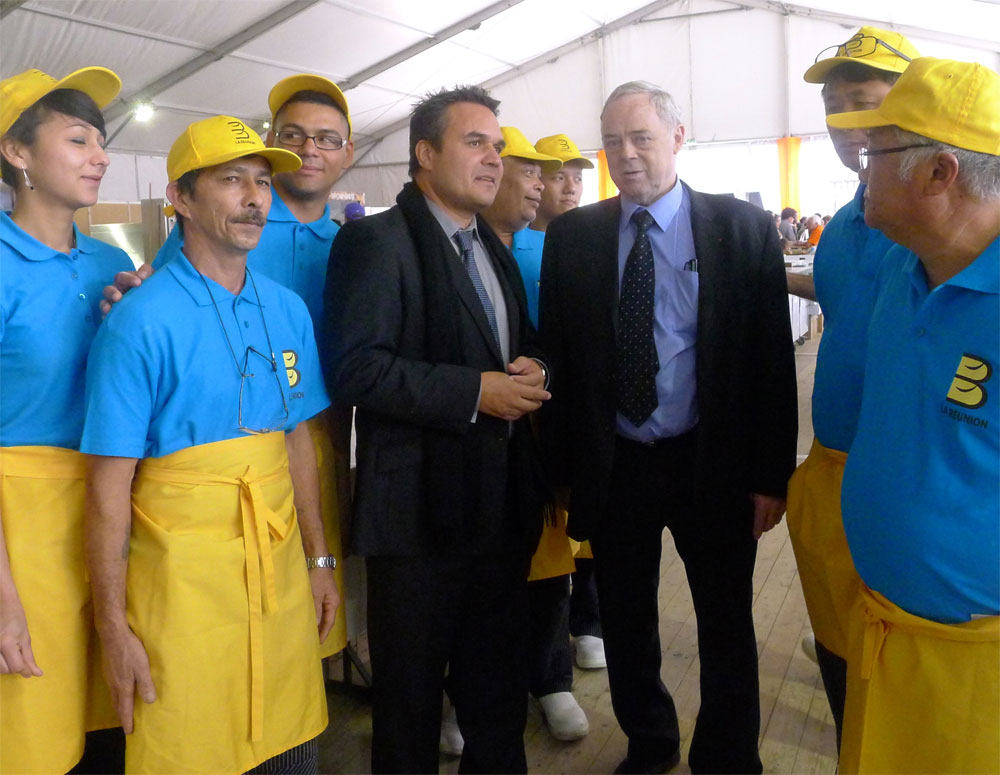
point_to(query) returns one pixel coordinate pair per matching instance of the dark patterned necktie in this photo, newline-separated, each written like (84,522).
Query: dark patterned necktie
(464,239)
(637,359)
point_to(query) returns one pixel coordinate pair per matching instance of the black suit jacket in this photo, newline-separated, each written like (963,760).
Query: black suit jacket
(376,358)
(746,393)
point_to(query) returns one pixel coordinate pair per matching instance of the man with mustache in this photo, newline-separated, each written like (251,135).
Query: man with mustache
(212,582)
(428,336)
(309,117)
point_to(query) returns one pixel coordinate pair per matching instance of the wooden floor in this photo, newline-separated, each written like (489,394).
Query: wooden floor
(797,734)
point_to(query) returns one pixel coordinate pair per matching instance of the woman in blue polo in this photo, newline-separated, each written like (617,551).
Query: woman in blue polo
(51,138)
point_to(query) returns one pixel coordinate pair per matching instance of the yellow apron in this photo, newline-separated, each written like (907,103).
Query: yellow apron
(921,696)
(219,595)
(326,463)
(554,555)
(830,583)
(581,550)
(43,719)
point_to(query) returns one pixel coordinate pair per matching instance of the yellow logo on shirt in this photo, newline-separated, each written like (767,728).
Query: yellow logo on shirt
(967,387)
(291,360)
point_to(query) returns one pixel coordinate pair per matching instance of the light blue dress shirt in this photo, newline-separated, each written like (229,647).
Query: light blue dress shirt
(675,310)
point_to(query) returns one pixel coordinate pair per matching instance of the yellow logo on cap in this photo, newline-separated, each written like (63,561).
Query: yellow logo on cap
(291,360)
(967,388)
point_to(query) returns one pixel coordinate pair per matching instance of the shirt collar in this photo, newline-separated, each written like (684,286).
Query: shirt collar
(33,249)
(322,227)
(448,224)
(191,281)
(663,210)
(981,275)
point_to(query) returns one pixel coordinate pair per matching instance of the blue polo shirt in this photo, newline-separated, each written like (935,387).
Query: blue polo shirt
(49,313)
(921,491)
(291,253)
(847,260)
(162,374)
(526,246)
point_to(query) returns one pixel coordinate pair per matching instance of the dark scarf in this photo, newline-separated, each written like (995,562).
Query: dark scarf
(453,462)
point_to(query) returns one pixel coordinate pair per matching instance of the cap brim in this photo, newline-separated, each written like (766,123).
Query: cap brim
(819,71)
(285,88)
(549,163)
(583,159)
(98,83)
(858,119)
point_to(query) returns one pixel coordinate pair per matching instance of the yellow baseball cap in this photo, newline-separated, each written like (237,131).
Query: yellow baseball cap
(957,103)
(517,145)
(563,149)
(286,87)
(217,140)
(20,92)
(870,46)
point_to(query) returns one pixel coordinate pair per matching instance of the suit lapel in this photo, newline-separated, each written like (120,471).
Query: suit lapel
(605,237)
(709,248)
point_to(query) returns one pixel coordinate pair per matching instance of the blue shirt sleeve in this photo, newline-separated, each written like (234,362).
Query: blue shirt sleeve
(119,397)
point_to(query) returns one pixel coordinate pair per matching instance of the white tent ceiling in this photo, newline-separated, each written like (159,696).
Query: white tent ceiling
(735,67)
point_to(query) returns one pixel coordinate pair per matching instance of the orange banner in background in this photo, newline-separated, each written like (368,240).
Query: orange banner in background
(788,170)
(606,187)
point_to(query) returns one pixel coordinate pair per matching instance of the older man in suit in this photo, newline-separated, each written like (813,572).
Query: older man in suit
(664,314)
(429,337)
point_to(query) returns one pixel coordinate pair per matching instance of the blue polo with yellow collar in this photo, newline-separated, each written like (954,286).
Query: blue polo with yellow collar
(163,376)
(921,483)
(526,246)
(291,253)
(49,314)
(847,260)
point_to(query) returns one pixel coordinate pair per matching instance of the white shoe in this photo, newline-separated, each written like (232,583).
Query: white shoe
(452,743)
(809,647)
(564,716)
(590,653)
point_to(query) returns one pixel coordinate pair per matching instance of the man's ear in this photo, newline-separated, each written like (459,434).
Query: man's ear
(425,154)
(941,175)
(177,199)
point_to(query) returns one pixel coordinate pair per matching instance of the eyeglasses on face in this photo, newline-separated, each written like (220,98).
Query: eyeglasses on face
(865,153)
(293,138)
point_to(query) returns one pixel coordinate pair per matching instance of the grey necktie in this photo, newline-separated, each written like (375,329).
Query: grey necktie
(464,239)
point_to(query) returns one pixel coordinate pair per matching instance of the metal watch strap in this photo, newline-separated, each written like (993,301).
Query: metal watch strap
(328,561)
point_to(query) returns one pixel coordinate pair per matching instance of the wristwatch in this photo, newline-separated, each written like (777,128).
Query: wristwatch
(329,561)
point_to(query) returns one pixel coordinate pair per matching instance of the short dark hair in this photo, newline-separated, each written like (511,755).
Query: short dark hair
(788,212)
(69,102)
(315,98)
(427,122)
(185,185)
(856,72)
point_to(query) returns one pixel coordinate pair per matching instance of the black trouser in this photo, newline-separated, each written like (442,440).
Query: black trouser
(549,661)
(466,613)
(103,753)
(652,488)
(584,616)
(301,760)
(834,672)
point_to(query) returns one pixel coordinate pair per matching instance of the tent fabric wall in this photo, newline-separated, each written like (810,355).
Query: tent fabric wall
(734,67)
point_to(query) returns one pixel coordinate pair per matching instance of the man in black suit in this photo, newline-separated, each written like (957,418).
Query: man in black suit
(664,316)
(428,336)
